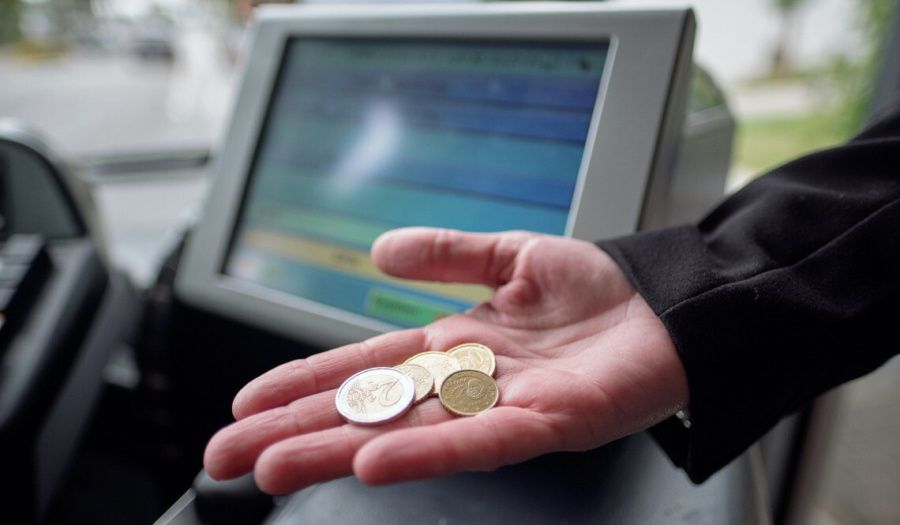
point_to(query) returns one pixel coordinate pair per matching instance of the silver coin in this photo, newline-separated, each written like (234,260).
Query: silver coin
(375,396)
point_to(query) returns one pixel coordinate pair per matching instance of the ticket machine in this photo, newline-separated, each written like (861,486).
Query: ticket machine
(563,119)
(583,120)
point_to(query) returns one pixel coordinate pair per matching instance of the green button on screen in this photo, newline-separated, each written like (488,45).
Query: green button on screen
(404,309)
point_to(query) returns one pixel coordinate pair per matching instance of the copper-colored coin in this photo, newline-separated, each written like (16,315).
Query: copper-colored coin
(421,377)
(473,356)
(468,392)
(374,396)
(440,364)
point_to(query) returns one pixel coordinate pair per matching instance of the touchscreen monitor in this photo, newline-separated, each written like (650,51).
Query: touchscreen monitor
(366,135)
(351,121)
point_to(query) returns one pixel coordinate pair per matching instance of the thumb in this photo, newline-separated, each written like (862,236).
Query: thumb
(448,255)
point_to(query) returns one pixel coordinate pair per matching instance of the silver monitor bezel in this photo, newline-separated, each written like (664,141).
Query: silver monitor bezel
(634,124)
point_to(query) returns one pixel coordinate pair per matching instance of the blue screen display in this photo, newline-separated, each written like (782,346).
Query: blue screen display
(364,136)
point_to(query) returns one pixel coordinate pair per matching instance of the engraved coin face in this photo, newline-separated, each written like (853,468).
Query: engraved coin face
(473,356)
(375,396)
(468,392)
(440,364)
(422,378)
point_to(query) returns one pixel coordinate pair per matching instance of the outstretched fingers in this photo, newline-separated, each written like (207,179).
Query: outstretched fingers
(500,436)
(232,452)
(300,461)
(324,371)
(449,255)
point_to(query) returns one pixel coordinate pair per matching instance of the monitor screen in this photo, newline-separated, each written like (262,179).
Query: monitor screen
(362,136)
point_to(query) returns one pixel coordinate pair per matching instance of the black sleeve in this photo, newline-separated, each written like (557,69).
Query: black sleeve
(787,289)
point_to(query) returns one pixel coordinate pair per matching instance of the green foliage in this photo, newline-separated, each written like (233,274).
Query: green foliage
(9,21)
(764,143)
(787,5)
(855,79)
(858,80)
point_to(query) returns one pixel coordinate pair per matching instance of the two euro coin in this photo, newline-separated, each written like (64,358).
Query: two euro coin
(375,396)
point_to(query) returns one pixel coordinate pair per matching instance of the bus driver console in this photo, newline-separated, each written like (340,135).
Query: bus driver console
(566,119)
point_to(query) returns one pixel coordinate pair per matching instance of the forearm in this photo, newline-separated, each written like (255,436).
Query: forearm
(786,290)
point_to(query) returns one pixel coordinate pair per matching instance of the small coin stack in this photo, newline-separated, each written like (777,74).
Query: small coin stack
(462,377)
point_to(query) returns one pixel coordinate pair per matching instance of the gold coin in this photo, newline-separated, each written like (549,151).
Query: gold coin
(440,364)
(422,378)
(468,392)
(473,356)
(375,396)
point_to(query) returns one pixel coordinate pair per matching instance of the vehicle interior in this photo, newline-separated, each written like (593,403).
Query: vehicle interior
(111,388)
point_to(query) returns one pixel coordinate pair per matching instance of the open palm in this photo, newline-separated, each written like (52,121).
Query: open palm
(581,361)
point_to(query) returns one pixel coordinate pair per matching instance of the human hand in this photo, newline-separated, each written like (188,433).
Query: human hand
(581,360)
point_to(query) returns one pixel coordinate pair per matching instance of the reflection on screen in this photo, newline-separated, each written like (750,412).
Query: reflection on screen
(364,136)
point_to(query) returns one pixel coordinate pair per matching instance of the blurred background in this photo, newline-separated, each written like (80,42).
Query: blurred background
(122,81)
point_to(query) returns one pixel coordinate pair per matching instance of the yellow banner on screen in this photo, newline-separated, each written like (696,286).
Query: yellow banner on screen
(354,262)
